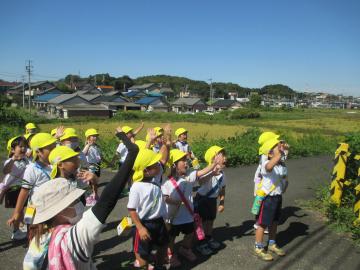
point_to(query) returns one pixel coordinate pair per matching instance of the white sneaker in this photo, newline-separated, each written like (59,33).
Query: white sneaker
(18,235)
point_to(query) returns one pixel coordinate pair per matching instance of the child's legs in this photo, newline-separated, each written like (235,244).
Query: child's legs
(172,243)
(259,234)
(208,227)
(161,255)
(273,230)
(141,262)
(187,242)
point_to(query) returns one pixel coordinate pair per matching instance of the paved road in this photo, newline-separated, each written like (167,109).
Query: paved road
(308,242)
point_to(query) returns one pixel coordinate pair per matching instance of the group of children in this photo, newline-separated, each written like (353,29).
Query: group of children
(53,179)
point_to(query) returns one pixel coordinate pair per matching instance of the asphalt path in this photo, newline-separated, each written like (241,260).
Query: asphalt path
(303,234)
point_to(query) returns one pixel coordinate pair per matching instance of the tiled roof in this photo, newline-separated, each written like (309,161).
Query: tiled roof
(45,97)
(147,100)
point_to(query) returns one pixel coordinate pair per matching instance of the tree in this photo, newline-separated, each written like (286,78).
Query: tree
(255,100)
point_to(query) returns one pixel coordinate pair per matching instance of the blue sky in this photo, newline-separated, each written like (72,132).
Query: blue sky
(307,45)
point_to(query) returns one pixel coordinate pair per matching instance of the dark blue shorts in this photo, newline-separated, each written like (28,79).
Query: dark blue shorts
(270,210)
(206,207)
(158,233)
(185,228)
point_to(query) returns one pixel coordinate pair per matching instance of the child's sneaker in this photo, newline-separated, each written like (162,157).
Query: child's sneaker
(278,251)
(187,254)
(204,249)
(213,244)
(261,253)
(18,235)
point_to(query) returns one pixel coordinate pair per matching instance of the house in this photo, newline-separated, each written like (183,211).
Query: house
(165,91)
(37,88)
(153,104)
(55,105)
(5,86)
(147,87)
(134,95)
(188,105)
(226,104)
(105,88)
(68,111)
(122,106)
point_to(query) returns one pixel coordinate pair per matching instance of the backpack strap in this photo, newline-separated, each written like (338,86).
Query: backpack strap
(215,188)
(182,196)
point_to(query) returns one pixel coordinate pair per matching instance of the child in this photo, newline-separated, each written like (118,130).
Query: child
(63,235)
(206,199)
(14,168)
(121,151)
(182,144)
(147,209)
(70,139)
(92,151)
(30,128)
(36,173)
(180,185)
(265,136)
(152,137)
(274,183)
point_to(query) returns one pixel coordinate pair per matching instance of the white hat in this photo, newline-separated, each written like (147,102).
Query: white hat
(52,197)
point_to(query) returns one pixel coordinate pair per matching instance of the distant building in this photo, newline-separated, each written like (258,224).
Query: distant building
(153,104)
(193,105)
(147,87)
(226,104)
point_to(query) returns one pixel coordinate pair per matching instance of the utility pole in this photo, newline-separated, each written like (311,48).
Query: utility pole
(29,70)
(211,92)
(23,85)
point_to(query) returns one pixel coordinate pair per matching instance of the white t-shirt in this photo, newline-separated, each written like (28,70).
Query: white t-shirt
(123,151)
(257,176)
(208,185)
(15,177)
(276,177)
(94,154)
(147,199)
(185,184)
(183,146)
(35,176)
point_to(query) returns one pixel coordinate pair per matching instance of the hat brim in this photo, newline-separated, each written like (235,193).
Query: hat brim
(58,206)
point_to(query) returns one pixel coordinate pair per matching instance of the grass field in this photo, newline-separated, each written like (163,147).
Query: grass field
(294,123)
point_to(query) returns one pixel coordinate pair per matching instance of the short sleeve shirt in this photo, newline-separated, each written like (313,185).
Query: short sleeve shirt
(209,185)
(35,176)
(123,151)
(185,184)
(276,177)
(15,177)
(93,155)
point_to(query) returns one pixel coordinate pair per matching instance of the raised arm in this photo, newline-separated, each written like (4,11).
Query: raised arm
(110,195)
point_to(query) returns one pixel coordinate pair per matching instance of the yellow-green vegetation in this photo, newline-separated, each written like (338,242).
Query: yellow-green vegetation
(196,130)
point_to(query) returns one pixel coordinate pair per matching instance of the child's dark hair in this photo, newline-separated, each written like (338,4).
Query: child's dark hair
(18,141)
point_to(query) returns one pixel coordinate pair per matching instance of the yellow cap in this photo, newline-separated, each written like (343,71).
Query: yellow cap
(69,133)
(175,155)
(41,140)
(268,145)
(159,131)
(126,129)
(58,154)
(30,126)
(211,153)
(144,159)
(10,142)
(53,132)
(91,132)
(180,131)
(141,144)
(266,136)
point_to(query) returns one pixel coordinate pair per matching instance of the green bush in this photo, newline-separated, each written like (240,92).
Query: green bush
(341,217)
